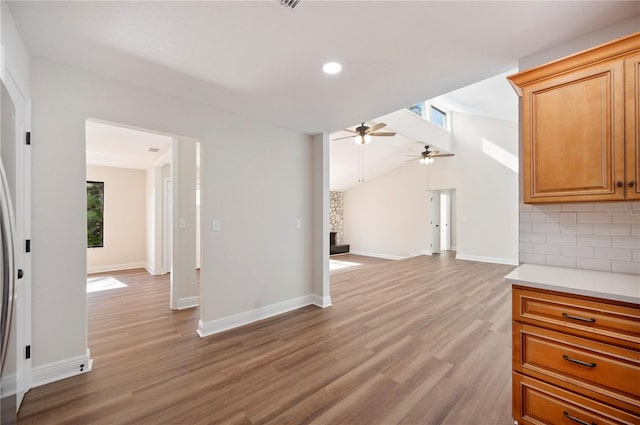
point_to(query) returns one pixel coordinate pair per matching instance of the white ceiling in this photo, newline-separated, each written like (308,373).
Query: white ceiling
(263,61)
(114,146)
(492,98)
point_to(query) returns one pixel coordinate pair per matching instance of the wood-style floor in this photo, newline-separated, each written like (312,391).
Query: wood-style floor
(419,341)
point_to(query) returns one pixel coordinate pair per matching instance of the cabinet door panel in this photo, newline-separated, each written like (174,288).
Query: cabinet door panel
(632,134)
(575,148)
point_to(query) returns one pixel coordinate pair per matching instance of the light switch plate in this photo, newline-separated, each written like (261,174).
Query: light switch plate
(299,224)
(215,225)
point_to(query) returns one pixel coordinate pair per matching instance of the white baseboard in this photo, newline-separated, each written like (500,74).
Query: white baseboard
(240,319)
(378,255)
(189,302)
(322,302)
(154,272)
(62,369)
(497,260)
(115,267)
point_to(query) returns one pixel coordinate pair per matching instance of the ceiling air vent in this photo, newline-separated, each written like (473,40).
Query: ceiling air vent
(154,150)
(289,3)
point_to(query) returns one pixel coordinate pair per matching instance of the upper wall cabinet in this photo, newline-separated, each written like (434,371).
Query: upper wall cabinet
(580,120)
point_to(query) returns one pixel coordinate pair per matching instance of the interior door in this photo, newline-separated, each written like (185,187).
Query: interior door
(434,222)
(445,220)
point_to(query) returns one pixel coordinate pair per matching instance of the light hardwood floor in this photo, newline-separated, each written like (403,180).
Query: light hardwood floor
(419,341)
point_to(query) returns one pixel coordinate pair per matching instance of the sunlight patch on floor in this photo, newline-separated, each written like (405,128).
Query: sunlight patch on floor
(95,284)
(337,264)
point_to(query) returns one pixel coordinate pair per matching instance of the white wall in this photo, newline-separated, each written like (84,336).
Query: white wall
(388,216)
(124,219)
(154,221)
(258,259)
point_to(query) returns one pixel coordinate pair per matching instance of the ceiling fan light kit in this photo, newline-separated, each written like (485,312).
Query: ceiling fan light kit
(362,139)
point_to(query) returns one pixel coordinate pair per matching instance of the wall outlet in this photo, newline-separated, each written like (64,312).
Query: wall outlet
(299,224)
(215,225)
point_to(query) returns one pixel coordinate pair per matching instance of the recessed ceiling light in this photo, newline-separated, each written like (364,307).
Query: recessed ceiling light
(331,68)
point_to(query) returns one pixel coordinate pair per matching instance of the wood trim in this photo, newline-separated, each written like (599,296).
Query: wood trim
(632,120)
(619,47)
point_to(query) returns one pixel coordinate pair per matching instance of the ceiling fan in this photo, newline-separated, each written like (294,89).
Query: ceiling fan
(427,156)
(363,133)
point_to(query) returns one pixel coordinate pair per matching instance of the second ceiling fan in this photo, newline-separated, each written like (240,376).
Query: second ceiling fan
(364,133)
(428,155)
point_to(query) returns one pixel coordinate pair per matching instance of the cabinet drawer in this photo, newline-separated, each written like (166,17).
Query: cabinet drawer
(538,403)
(599,370)
(617,323)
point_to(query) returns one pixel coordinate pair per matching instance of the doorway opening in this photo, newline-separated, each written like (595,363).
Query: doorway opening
(150,183)
(442,219)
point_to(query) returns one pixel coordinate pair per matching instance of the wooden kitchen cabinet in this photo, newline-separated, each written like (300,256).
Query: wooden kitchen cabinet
(580,125)
(575,358)
(632,109)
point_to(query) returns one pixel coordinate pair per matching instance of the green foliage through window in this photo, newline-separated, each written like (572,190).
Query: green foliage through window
(95,214)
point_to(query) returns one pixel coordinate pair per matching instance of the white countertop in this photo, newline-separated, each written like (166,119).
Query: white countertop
(610,286)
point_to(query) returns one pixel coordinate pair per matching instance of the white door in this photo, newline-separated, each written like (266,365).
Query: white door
(16,155)
(445,221)
(434,222)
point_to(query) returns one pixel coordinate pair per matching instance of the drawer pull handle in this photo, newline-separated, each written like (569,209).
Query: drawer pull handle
(578,420)
(582,319)
(580,362)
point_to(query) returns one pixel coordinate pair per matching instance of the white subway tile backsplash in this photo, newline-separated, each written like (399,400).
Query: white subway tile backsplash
(618,254)
(548,208)
(532,258)
(553,217)
(561,239)
(577,207)
(578,251)
(612,229)
(605,206)
(547,249)
(594,264)
(532,237)
(568,220)
(584,229)
(596,236)
(625,267)
(560,261)
(592,240)
(532,217)
(625,242)
(545,228)
(631,216)
(526,248)
(593,217)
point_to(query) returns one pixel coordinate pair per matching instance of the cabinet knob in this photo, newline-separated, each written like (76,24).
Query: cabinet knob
(632,183)
(619,184)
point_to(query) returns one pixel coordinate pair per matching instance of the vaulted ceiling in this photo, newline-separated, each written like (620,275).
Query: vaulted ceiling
(263,61)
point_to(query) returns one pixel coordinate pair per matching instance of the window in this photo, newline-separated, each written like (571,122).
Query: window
(417,109)
(95,214)
(438,117)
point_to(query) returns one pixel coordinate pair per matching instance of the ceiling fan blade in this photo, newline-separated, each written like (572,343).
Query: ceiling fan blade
(350,131)
(414,159)
(376,127)
(443,155)
(383,133)
(340,138)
